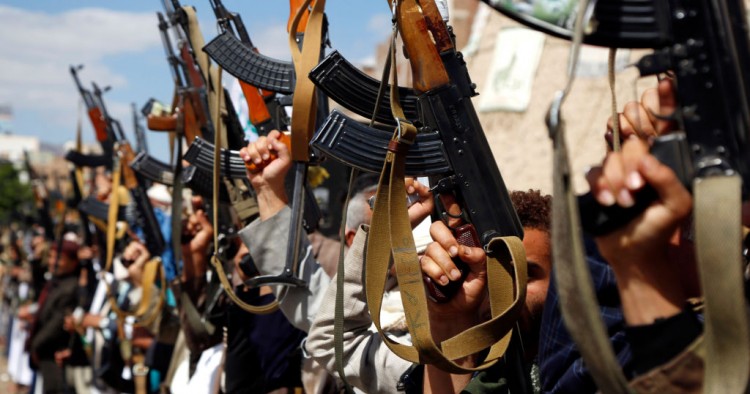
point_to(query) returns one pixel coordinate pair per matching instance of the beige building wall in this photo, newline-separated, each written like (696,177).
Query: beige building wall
(519,140)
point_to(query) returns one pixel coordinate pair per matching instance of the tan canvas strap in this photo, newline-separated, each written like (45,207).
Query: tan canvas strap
(114,206)
(225,284)
(338,322)
(612,59)
(197,42)
(391,238)
(578,303)
(304,103)
(79,147)
(151,270)
(718,240)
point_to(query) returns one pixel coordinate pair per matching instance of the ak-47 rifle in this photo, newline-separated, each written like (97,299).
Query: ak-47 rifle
(189,84)
(471,176)
(704,45)
(83,160)
(141,145)
(100,128)
(153,237)
(41,198)
(451,147)
(265,112)
(74,203)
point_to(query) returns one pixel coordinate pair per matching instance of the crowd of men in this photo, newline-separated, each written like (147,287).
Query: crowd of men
(82,329)
(88,308)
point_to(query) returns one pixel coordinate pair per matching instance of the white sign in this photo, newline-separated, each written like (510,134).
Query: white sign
(511,76)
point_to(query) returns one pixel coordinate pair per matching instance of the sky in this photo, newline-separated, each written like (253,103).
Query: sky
(119,45)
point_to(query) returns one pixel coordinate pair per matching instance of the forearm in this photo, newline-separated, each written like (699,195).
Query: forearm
(266,241)
(436,380)
(271,200)
(648,294)
(364,350)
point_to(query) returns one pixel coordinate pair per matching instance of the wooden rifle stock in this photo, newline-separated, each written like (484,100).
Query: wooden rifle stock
(436,25)
(192,123)
(427,67)
(97,121)
(127,156)
(162,122)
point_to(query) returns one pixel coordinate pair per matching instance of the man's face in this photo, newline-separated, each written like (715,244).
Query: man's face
(539,258)
(65,264)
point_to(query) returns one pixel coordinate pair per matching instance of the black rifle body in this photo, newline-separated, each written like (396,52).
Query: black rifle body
(705,45)
(146,220)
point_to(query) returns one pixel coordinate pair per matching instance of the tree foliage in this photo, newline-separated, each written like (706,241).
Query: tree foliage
(15,197)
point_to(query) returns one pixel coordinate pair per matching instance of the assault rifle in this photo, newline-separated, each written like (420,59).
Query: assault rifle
(41,198)
(705,45)
(153,237)
(92,207)
(189,87)
(100,128)
(189,77)
(451,147)
(88,237)
(141,145)
(265,111)
(83,160)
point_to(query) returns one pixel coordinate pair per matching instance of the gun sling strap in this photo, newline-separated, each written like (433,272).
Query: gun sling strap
(150,271)
(391,239)
(718,240)
(225,284)
(304,103)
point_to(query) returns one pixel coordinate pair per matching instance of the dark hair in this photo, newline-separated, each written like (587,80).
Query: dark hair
(533,208)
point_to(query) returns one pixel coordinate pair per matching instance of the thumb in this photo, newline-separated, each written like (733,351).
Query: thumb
(672,193)
(202,218)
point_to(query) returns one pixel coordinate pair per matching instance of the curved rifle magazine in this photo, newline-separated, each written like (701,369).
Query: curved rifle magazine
(357,91)
(248,66)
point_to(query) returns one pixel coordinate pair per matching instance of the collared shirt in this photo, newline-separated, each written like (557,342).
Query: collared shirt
(562,369)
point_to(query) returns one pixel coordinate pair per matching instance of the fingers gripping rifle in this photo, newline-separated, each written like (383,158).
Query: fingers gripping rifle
(704,44)
(469,173)
(132,181)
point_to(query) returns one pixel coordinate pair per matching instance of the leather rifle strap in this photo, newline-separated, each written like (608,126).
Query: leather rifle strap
(718,240)
(225,284)
(391,238)
(338,322)
(304,101)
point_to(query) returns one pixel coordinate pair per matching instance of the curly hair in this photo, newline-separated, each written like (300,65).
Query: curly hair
(533,208)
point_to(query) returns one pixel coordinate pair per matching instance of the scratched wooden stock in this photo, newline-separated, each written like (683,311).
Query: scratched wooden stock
(426,65)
